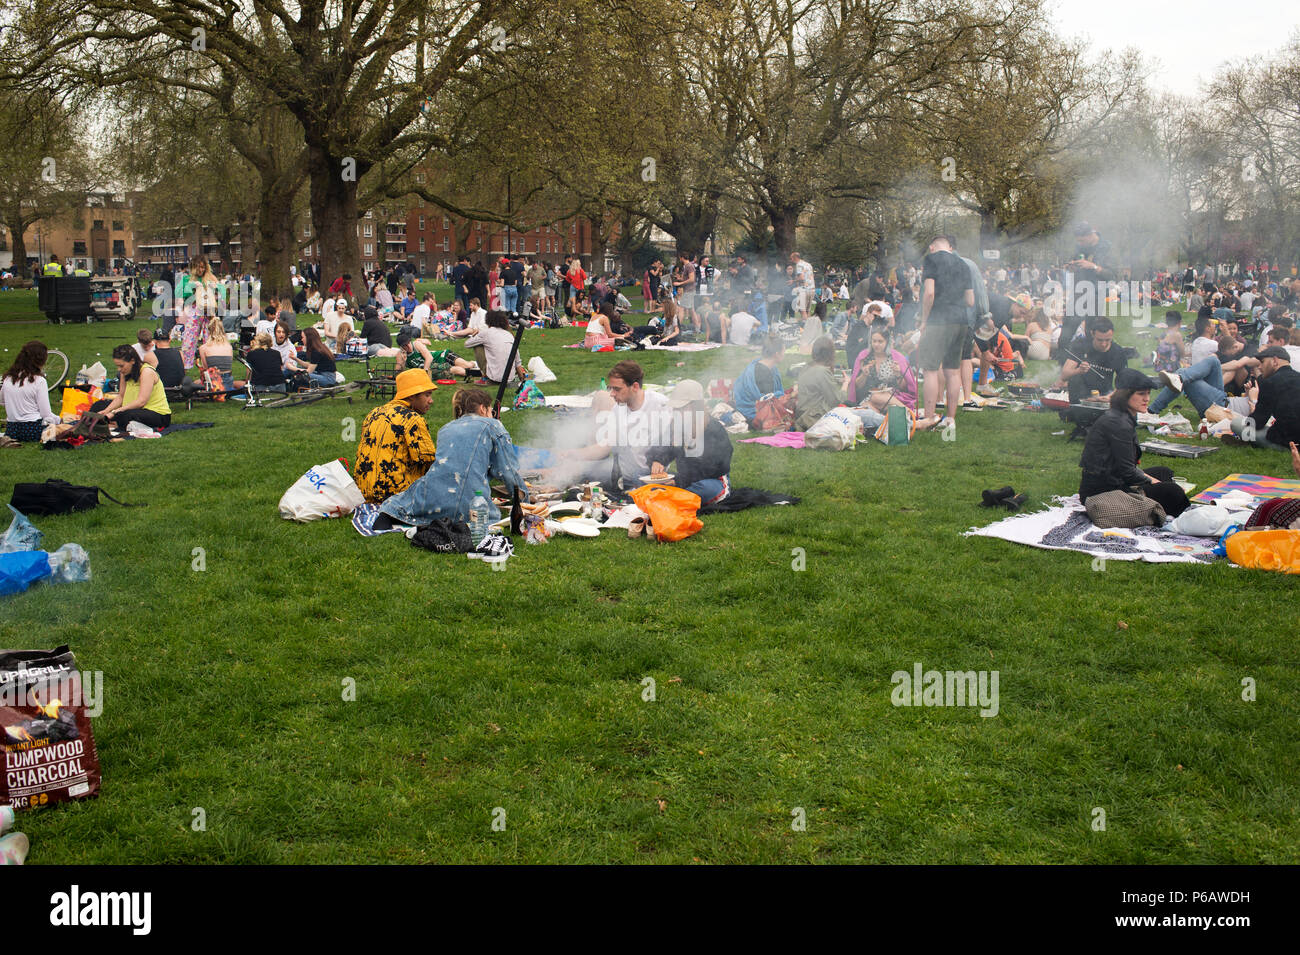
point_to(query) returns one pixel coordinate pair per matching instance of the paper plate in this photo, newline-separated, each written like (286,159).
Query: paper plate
(575,526)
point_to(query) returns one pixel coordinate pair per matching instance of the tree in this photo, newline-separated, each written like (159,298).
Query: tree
(1012,133)
(355,76)
(43,167)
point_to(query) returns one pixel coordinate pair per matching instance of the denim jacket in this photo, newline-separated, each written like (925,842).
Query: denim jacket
(471,451)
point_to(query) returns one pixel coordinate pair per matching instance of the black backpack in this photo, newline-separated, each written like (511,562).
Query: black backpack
(57,497)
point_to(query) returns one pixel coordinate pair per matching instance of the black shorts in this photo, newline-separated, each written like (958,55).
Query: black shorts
(944,346)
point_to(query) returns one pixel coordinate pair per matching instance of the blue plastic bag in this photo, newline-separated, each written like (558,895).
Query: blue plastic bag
(22,535)
(20,569)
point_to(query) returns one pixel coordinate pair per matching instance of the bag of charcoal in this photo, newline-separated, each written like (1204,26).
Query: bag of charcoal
(47,749)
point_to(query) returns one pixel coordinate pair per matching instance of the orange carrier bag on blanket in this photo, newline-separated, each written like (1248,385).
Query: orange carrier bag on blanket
(1265,550)
(671,510)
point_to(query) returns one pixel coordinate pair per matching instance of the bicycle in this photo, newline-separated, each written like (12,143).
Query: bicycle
(56,381)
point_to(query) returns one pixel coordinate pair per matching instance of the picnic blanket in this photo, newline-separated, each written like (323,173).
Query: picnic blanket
(782,439)
(685,346)
(1065,526)
(1258,486)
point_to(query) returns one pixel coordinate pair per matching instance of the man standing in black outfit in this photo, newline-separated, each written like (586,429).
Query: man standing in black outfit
(1085,282)
(947,296)
(459,280)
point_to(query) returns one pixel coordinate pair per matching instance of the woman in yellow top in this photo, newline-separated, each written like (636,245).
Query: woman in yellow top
(141,396)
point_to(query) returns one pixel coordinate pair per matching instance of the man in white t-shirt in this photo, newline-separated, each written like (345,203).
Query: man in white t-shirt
(477,321)
(803,283)
(742,326)
(629,422)
(421,313)
(1204,344)
(886,311)
(332,312)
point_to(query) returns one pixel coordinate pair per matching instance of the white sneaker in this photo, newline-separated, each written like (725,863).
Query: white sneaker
(493,549)
(1171,380)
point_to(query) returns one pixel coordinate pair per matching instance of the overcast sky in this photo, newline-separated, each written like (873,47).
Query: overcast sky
(1190,38)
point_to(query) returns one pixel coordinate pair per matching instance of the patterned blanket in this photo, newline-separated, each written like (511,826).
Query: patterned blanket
(1065,526)
(1258,486)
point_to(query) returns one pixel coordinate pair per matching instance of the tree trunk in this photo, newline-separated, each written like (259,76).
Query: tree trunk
(334,212)
(785,225)
(248,254)
(460,237)
(990,230)
(15,227)
(227,259)
(277,245)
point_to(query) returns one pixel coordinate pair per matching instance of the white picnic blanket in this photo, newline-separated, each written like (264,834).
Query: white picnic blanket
(1065,526)
(568,401)
(685,346)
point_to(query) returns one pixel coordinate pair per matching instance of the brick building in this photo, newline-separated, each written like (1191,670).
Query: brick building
(427,236)
(98,236)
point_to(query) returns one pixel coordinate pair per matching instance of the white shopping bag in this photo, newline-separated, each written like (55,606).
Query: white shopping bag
(541,374)
(326,490)
(95,375)
(836,430)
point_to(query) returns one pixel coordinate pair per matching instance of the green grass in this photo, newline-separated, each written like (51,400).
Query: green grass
(522,689)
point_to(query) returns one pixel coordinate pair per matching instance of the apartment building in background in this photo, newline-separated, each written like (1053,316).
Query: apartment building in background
(100,237)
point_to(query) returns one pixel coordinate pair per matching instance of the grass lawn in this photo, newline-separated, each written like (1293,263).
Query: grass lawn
(523,689)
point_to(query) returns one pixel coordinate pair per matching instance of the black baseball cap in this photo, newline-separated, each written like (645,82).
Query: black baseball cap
(1274,351)
(1133,380)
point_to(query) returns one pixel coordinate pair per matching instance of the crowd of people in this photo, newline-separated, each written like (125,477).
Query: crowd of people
(917,336)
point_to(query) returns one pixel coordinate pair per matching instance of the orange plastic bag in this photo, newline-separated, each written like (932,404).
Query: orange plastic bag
(671,510)
(1264,550)
(76,401)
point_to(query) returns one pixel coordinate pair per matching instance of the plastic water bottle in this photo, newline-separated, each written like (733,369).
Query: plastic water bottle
(479,525)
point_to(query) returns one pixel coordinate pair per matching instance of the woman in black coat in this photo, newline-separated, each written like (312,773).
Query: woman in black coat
(1111,455)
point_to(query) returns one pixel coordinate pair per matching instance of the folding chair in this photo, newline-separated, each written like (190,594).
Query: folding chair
(381,375)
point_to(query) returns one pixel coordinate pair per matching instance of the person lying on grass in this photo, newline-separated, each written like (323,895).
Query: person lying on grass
(473,450)
(1111,456)
(701,451)
(396,448)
